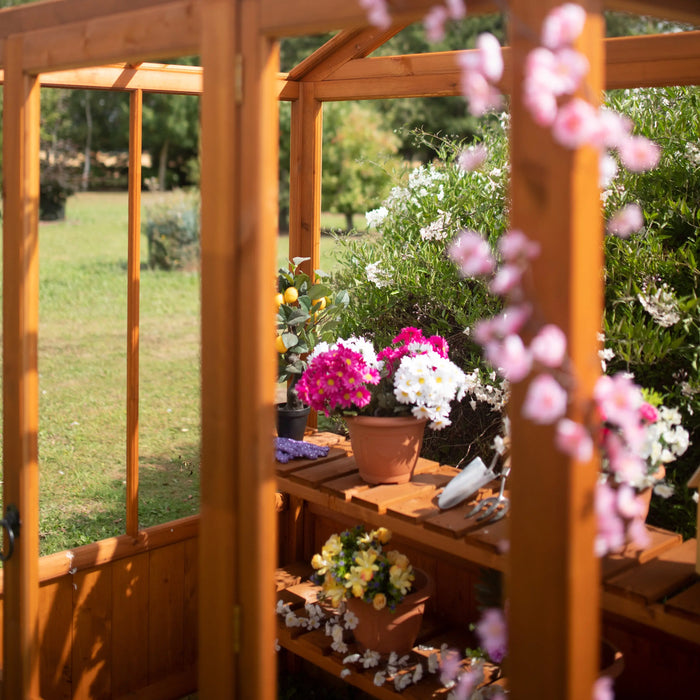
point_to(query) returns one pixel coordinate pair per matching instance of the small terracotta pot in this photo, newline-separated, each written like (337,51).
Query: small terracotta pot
(386,449)
(384,630)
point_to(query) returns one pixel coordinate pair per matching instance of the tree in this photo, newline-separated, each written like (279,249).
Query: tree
(355,144)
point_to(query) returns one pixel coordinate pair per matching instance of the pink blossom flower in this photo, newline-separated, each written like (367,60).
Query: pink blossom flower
(574,440)
(434,23)
(638,534)
(623,463)
(479,93)
(490,57)
(545,400)
(608,170)
(611,529)
(439,344)
(492,632)
(648,412)
(507,278)
(563,25)
(542,105)
(626,221)
(456,8)
(639,154)
(450,663)
(466,685)
(511,320)
(629,504)
(549,346)
(377,13)
(613,128)
(618,398)
(510,357)
(472,254)
(472,158)
(575,123)
(603,689)
(515,246)
(570,68)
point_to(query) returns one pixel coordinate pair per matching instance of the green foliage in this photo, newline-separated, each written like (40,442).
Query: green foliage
(652,319)
(306,315)
(172,227)
(401,276)
(357,153)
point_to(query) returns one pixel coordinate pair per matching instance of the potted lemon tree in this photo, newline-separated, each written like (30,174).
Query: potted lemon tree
(306,316)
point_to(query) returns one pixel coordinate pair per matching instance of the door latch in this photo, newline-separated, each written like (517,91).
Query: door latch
(10,523)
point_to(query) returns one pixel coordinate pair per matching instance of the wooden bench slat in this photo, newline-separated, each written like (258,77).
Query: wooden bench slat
(686,603)
(631,555)
(659,577)
(318,473)
(285,468)
(346,486)
(379,498)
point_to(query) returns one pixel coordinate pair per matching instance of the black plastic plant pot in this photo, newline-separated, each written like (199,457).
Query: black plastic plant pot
(291,423)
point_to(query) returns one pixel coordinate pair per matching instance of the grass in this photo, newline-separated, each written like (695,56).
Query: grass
(82,377)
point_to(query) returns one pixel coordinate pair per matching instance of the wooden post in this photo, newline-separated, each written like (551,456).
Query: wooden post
(554,576)
(133,300)
(305,178)
(20,372)
(238,539)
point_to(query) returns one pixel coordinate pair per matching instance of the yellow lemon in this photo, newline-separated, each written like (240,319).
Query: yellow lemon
(279,300)
(321,302)
(291,294)
(279,345)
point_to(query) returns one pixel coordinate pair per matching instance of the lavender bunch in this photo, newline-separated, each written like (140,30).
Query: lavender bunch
(286,449)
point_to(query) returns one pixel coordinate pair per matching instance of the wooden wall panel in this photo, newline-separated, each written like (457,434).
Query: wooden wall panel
(130,624)
(92,635)
(167,613)
(56,639)
(190,610)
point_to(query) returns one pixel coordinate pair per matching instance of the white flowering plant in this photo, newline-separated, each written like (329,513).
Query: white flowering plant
(412,375)
(357,564)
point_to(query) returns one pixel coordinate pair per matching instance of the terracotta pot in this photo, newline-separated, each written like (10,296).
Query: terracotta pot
(386,449)
(646,495)
(384,630)
(292,423)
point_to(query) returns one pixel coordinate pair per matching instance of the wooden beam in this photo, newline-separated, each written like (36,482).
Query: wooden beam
(133,305)
(284,18)
(653,61)
(152,32)
(344,46)
(553,589)
(21,117)
(305,178)
(678,10)
(40,15)
(635,61)
(239,217)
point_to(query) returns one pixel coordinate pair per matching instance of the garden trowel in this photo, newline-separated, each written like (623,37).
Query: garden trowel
(467,482)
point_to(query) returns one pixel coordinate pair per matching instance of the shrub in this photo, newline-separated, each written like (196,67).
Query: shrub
(401,275)
(172,227)
(54,190)
(652,320)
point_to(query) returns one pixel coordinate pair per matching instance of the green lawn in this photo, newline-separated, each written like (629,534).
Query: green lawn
(82,376)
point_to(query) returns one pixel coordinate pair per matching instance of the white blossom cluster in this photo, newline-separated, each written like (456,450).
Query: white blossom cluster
(422,180)
(376,217)
(665,439)
(430,382)
(399,670)
(438,229)
(661,305)
(377,275)
(495,395)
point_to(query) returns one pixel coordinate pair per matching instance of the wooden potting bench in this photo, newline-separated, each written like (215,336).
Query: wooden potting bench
(650,597)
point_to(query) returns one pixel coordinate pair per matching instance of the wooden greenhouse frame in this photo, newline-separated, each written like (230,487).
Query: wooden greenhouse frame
(228,553)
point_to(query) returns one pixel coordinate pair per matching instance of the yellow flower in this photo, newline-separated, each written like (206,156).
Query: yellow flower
(365,564)
(379,601)
(333,591)
(383,534)
(321,564)
(397,559)
(401,578)
(333,547)
(355,581)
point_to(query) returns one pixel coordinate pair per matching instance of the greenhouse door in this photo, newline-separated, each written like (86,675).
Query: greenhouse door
(20,509)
